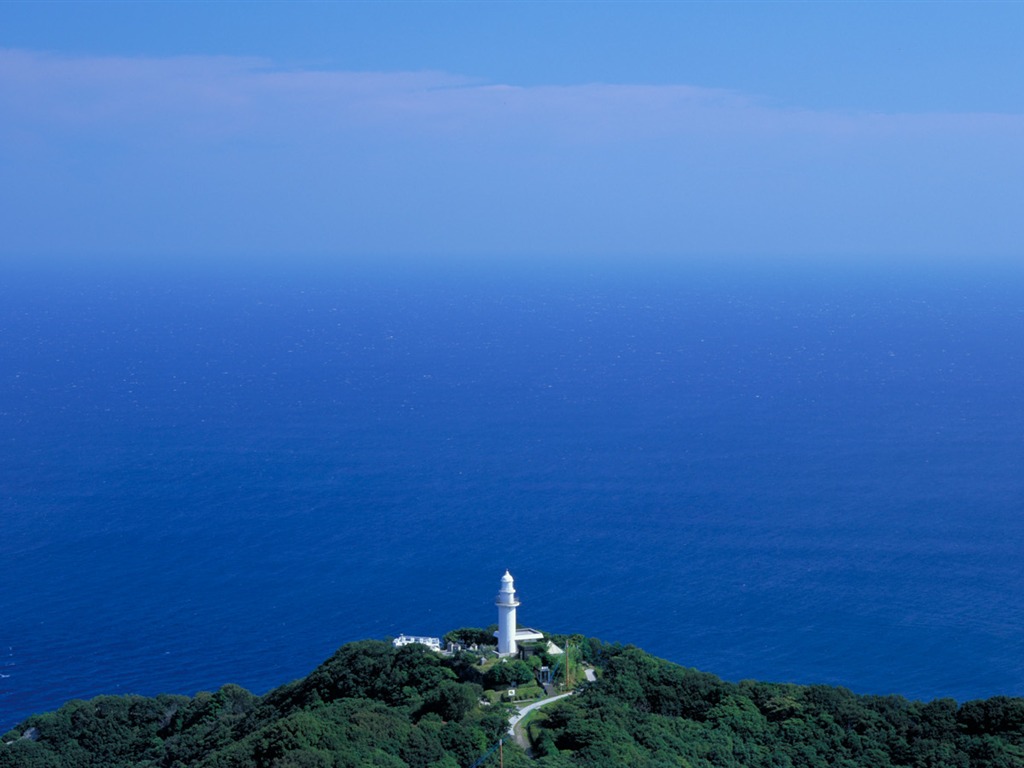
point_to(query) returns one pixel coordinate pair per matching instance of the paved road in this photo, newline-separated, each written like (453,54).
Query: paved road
(522,712)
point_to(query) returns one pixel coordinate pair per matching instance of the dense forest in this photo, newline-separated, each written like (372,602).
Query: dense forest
(648,712)
(378,706)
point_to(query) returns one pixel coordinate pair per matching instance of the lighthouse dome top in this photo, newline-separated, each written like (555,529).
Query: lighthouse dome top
(507,577)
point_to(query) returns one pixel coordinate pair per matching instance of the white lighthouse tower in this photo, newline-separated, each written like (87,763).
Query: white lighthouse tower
(506,602)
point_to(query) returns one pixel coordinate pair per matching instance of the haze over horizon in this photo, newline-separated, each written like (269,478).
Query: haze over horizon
(856,131)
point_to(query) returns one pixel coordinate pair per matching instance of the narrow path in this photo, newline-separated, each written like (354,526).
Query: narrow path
(522,712)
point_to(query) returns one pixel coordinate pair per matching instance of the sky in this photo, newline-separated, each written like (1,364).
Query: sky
(823,131)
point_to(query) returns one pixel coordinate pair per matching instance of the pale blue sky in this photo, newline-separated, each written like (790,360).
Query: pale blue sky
(480,130)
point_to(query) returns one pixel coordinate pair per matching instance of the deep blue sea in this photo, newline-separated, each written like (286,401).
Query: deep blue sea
(221,475)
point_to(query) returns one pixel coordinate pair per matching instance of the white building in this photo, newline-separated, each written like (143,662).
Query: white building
(433,643)
(508,634)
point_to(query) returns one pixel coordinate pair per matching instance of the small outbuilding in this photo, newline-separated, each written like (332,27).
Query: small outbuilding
(433,643)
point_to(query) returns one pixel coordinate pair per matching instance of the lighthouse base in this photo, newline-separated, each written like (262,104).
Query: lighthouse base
(523,635)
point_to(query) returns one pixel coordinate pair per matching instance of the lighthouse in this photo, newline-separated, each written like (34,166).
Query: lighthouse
(506,602)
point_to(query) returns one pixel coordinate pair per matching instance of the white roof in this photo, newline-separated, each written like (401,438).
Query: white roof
(525,633)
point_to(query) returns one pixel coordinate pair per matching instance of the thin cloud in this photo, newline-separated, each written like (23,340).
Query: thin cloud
(229,152)
(219,97)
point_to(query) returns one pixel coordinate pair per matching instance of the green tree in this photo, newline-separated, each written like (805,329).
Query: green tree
(509,673)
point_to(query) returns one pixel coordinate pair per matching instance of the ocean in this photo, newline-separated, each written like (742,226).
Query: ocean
(213,475)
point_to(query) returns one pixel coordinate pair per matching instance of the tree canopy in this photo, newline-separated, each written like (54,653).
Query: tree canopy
(647,712)
(374,705)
